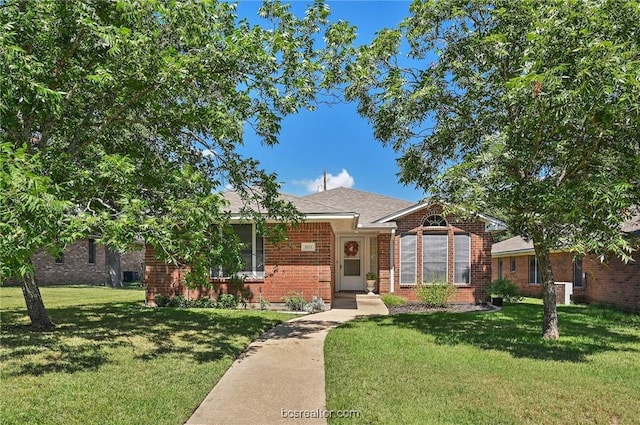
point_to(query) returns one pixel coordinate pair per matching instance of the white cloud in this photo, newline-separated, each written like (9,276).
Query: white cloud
(207,153)
(343,179)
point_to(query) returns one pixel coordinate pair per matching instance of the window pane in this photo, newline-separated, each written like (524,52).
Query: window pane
(513,264)
(462,259)
(244,232)
(352,267)
(499,268)
(92,251)
(434,258)
(577,271)
(534,271)
(373,255)
(408,258)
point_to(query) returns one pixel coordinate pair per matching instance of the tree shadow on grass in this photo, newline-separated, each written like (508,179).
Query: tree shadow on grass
(85,334)
(517,330)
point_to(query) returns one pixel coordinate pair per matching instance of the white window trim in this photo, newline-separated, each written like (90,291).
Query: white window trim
(454,260)
(253,274)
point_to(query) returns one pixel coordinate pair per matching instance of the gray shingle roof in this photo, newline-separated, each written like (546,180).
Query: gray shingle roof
(515,244)
(370,206)
(632,226)
(305,206)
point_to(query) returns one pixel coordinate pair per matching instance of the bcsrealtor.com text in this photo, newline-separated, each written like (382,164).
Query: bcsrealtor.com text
(318,413)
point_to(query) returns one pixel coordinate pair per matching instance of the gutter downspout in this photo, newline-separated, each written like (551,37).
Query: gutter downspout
(392,269)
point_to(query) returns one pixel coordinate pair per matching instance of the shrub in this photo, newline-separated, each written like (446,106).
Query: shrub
(264,304)
(204,303)
(294,301)
(180,301)
(161,300)
(504,288)
(436,294)
(391,300)
(315,305)
(227,301)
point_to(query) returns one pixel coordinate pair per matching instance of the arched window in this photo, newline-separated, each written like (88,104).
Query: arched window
(435,221)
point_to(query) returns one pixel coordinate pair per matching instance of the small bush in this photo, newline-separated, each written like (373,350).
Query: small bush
(315,305)
(227,301)
(294,301)
(435,294)
(161,300)
(391,300)
(204,303)
(180,301)
(264,304)
(504,288)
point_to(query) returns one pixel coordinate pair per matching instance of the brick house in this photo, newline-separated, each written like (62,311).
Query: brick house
(611,282)
(347,233)
(82,262)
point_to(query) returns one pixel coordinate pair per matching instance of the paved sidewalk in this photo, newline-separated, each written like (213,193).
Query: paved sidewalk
(282,372)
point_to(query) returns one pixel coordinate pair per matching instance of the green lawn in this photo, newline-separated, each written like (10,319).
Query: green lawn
(487,368)
(113,361)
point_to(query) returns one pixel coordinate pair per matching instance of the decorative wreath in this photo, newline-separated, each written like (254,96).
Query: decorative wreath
(351,248)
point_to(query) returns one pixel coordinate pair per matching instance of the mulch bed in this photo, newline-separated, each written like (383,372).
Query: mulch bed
(453,308)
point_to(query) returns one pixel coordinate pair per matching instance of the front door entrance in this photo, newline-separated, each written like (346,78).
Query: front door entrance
(352,264)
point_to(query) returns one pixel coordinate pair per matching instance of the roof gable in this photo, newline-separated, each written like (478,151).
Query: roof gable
(492,223)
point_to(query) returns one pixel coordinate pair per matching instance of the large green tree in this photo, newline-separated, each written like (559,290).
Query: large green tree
(123,119)
(531,108)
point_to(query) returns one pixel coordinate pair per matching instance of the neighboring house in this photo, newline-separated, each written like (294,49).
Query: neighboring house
(611,282)
(347,233)
(83,262)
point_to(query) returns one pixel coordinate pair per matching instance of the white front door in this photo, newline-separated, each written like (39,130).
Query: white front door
(352,257)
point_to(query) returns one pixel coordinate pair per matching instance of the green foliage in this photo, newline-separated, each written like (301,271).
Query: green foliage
(392,299)
(315,305)
(529,109)
(123,119)
(505,289)
(435,294)
(371,276)
(161,300)
(204,302)
(227,301)
(294,301)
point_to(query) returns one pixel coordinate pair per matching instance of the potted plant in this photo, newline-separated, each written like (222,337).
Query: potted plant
(371,281)
(503,289)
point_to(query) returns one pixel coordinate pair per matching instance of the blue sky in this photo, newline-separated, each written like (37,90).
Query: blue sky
(334,138)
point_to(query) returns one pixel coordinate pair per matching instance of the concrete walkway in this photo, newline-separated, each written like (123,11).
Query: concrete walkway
(281,374)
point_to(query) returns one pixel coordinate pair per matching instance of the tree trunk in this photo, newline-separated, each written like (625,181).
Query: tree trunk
(550,318)
(113,268)
(40,320)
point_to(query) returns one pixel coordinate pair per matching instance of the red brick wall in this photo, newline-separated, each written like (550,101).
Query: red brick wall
(480,255)
(76,269)
(384,263)
(612,283)
(287,269)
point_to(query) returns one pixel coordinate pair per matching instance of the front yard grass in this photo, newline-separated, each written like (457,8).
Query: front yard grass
(113,361)
(487,368)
